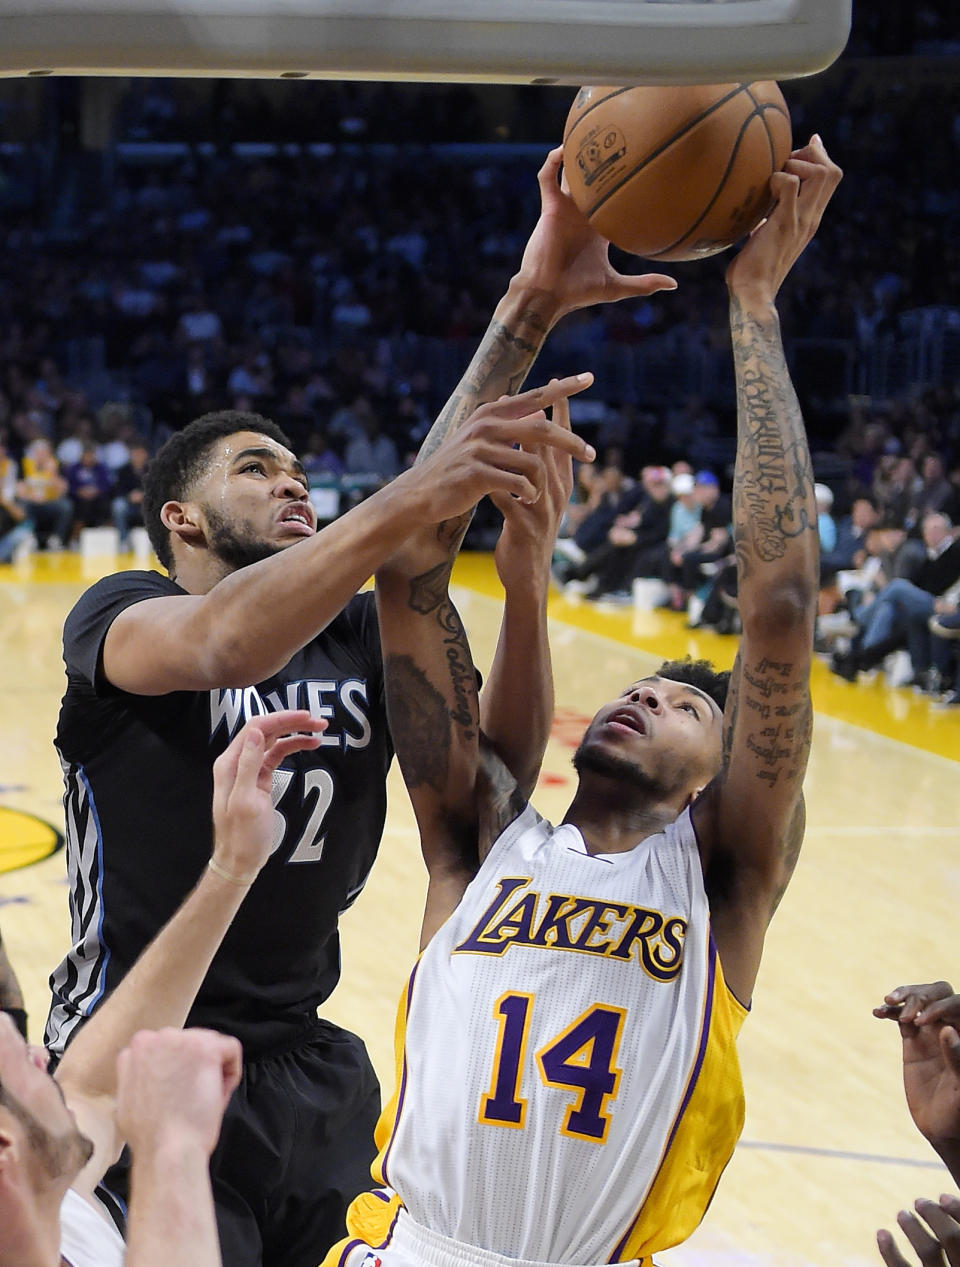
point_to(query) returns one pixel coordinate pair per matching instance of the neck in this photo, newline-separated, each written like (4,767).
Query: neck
(612,822)
(199,571)
(31,1232)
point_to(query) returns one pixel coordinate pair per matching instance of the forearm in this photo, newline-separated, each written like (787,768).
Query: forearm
(516,705)
(774,510)
(520,324)
(158,991)
(433,710)
(171,1216)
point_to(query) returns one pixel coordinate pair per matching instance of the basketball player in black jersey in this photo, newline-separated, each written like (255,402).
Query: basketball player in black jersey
(162,672)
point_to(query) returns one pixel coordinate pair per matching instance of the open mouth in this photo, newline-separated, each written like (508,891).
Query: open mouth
(298,517)
(629,719)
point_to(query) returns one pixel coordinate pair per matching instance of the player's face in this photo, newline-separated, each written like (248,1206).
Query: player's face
(40,1113)
(254,499)
(662,736)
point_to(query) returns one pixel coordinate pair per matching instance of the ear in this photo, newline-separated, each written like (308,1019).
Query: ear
(181,519)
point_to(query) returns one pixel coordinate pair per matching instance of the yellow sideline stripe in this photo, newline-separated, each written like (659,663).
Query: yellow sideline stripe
(899,714)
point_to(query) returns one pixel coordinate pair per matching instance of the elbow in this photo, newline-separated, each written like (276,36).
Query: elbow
(788,608)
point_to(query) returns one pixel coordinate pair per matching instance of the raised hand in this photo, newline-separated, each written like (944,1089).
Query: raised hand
(173,1087)
(928,1016)
(482,456)
(242,782)
(802,191)
(569,259)
(937,1247)
(525,546)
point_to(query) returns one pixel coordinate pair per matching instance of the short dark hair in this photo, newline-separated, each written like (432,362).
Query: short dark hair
(169,476)
(699,673)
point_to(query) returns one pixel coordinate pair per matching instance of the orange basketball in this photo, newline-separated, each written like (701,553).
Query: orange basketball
(675,173)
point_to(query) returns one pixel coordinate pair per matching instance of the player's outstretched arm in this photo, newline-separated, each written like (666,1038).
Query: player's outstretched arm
(431,684)
(160,988)
(750,821)
(516,703)
(172,1089)
(929,1020)
(565,265)
(936,1245)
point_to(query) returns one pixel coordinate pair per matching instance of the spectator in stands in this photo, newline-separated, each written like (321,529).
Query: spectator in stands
(895,487)
(826,524)
(709,542)
(849,548)
(89,483)
(319,457)
(15,528)
(126,508)
(902,605)
(75,437)
(634,544)
(42,493)
(371,452)
(933,491)
(684,531)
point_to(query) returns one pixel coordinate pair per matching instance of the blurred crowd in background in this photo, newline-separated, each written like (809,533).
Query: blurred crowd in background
(329,254)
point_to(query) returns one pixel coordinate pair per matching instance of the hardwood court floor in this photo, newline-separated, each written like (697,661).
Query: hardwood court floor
(829,1152)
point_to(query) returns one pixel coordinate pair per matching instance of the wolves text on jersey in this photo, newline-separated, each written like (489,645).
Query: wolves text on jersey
(233,707)
(591,926)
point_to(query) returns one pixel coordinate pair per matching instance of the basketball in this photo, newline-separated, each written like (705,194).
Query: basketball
(675,173)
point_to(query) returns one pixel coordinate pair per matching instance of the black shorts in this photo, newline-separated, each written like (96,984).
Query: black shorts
(295,1149)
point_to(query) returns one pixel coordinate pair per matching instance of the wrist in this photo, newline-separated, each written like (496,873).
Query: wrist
(232,872)
(169,1147)
(535,299)
(754,297)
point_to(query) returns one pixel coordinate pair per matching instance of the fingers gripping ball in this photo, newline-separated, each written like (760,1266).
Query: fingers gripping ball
(675,173)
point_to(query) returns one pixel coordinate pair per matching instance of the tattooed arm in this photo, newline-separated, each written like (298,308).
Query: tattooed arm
(565,266)
(750,821)
(459,789)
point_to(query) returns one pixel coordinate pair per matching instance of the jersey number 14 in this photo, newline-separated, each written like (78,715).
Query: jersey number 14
(581,1058)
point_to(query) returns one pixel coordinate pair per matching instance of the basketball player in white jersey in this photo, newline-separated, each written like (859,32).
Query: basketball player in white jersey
(568,1085)
(163,1091)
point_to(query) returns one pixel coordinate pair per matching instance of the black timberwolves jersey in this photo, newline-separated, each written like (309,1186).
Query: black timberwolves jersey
(138,787)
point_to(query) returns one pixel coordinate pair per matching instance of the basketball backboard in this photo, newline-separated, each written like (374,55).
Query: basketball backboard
(513,41)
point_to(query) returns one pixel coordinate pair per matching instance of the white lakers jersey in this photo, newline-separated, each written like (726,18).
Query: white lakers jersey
(569,1088)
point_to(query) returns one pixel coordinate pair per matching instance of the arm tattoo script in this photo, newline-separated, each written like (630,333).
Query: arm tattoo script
(499,367)
(428,595)
(774,504)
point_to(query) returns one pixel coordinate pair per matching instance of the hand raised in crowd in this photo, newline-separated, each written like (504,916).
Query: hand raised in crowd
(937,1244)
(243,817)
(173,1087)
(928,1016)
(569,259)
(802,191)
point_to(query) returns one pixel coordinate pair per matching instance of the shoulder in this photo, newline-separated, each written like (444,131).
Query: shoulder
(87,625)
(121,590)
